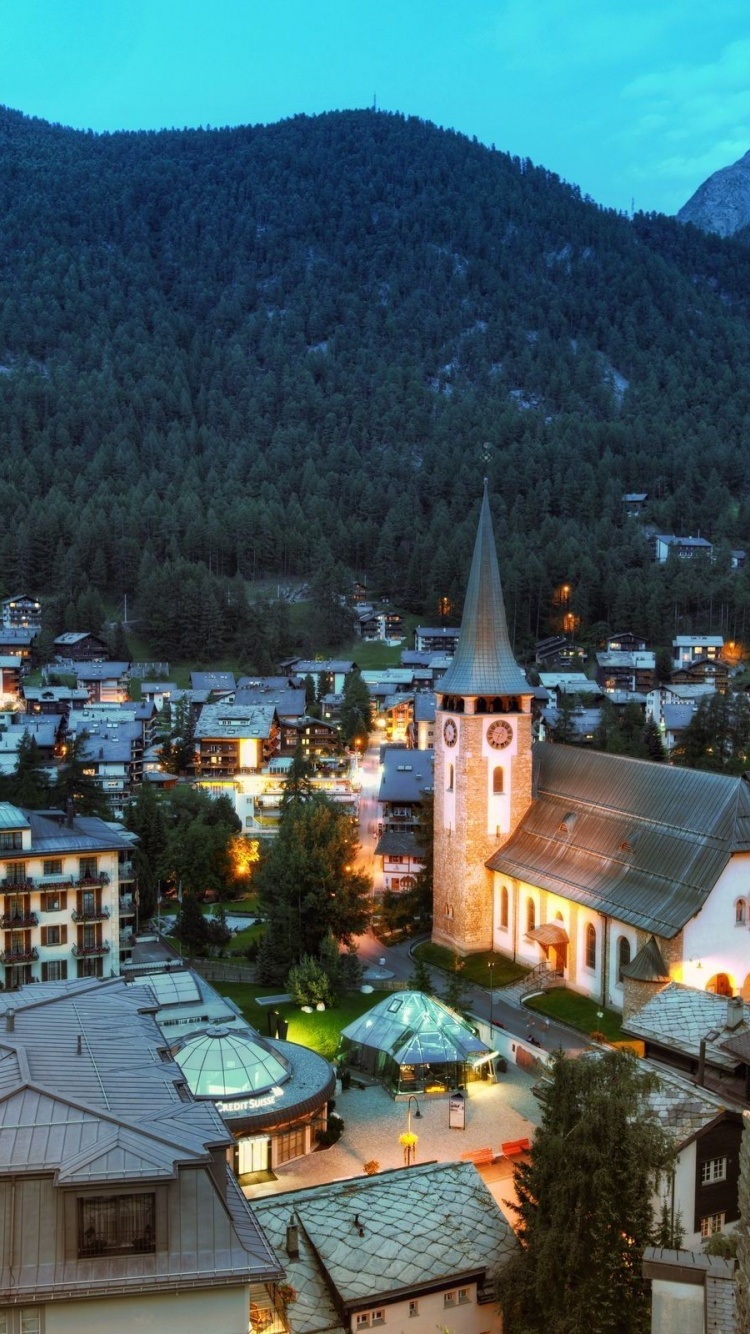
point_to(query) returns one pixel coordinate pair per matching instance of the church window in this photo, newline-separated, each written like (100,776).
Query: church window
(498,780)
(530,915)
(449,910)
(450,777)
(623,955)
(740,912)
(504,908)
(590,945)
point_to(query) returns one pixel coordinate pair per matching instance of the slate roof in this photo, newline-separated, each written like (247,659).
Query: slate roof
(646,842)
(101,671)
(289,702)
(399,843)
(407,774)
(679,1017)
(484,663)
(212,681)
(683,1109)
(401,1245)
(425,705)
(234,720)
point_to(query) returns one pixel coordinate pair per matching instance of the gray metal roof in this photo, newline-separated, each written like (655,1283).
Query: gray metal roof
(484,663)
(419,1226)
(407,774)
(234,720)
(647,842)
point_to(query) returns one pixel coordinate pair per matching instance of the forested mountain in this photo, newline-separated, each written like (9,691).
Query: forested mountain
(260,352)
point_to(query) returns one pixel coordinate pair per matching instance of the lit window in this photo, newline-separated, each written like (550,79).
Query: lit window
(590,945)
(713,1169)
(711,1224)
(530,915)
(498,779)
(504,908)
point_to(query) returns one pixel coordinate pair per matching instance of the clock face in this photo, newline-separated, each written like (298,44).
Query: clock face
(499,734)
(450,732)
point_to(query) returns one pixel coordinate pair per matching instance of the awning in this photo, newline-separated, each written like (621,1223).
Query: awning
(551,933)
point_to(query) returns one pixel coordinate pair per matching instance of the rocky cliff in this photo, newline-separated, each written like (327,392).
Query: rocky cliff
(722,203)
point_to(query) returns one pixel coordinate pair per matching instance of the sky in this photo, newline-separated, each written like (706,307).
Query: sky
(634,101)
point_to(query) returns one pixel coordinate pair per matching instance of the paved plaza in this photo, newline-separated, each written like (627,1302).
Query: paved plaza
(373,1122)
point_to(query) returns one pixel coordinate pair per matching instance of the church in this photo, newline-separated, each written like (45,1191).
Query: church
(618,874)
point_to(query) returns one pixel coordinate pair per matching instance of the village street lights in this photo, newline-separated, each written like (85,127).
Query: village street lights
(410,1140)
(491,967)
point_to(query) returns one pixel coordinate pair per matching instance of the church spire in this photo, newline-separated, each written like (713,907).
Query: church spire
(484,663)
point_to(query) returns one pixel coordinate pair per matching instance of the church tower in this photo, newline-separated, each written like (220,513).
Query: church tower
(482,756)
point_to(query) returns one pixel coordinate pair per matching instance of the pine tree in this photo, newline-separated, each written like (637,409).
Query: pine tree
(420,978)
(585,1202)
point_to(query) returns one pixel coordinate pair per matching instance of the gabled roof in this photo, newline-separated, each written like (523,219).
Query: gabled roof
(417,1227)
(484,663)
(680,1017)
(647,842)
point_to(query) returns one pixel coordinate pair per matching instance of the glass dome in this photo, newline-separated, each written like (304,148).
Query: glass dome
(223,1062)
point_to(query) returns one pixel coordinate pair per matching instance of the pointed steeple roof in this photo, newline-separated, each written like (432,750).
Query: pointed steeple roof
(484,663)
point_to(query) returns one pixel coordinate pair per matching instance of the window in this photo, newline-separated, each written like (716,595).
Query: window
(504,906)
(530,915)
(10,839)
(413,1307)
(364,1319)
(88,868)
(116,1224)
(21,1320)
(463,1296)
(54,867)
(55,935)
(449,1298)
(54,902)
(450,778)
(740,912)
(498,780)
(54,971)
(623,955)
(711,1224)
(590,949)
(713,1169)
(15,873)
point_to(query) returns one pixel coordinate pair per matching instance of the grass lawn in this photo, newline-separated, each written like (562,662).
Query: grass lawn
(319,1030)
(579,1012)
(476,966)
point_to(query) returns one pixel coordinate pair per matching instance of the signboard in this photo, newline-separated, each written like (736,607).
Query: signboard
(457,1111)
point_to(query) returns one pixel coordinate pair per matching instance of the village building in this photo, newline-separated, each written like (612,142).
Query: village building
(80,646)
(569,860)
(22,611)
(67,886)
(418,1248)
(122,1210)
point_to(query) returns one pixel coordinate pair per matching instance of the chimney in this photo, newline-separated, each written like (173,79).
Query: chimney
(10,1021)
(70,811)
(292,1239)
(735,1011)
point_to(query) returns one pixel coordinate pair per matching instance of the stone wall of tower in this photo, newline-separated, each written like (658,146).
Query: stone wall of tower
(462,900)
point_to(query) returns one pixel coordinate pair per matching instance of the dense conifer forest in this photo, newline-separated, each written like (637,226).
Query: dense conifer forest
(294,350)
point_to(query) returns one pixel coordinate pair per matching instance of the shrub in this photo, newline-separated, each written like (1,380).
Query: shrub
(371,1167)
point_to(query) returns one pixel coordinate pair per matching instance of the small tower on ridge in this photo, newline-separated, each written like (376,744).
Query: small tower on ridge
(483,770)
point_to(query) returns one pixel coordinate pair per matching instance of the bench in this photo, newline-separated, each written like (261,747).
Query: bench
(513,1146)
(478,1156)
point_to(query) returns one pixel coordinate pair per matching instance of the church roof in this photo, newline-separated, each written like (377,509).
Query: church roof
(484,663)
(641,842)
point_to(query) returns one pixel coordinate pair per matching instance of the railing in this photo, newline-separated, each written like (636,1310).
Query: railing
(127,903)
(127,941)
(16,886)
(90,914)
(540,978)
(101,879)
(17,921)
(14,956)
(86,951)
(126,871)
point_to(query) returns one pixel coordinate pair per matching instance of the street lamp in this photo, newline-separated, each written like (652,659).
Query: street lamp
(491,967)
(409,1141)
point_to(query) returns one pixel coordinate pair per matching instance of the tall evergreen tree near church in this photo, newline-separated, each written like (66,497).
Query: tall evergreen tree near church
(585,1203)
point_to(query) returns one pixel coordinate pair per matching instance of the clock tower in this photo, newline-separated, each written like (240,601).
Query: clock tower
(482,756)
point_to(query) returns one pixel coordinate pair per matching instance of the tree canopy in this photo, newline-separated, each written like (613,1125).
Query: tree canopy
(585,1202)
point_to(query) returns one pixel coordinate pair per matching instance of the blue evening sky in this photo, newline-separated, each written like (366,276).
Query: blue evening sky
(629,99)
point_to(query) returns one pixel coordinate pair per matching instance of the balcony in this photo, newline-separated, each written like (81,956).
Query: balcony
(92,914)
(126,871)
(92,880)
(16,886)
(89,951)
(127,904)
(127,940)
(18,921)
(18,955)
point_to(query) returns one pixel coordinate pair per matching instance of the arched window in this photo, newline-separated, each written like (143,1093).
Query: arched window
(450,777)
(504,904)
(590,945)
(623,955)
(530,915)
(720,984)
(740,912)
(498,780)
(449,910)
